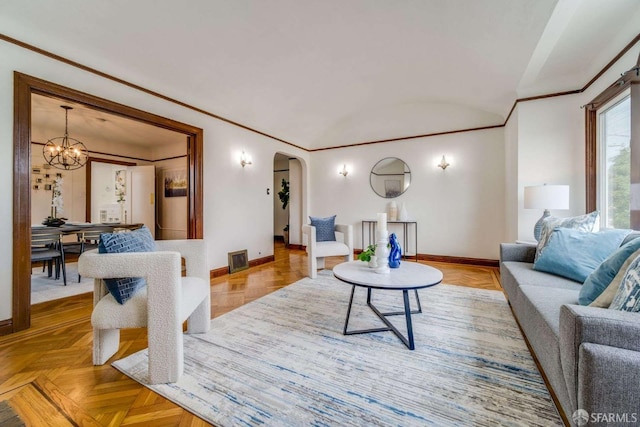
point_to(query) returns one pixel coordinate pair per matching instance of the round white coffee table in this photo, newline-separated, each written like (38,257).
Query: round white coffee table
(409,276)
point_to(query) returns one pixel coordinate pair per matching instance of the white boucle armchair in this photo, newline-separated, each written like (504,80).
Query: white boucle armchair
(162,306)
(319,250)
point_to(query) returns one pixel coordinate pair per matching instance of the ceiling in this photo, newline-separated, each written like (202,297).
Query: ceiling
(85,124)
(334,72)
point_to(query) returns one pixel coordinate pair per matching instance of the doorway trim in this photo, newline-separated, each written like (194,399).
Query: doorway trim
(23,87)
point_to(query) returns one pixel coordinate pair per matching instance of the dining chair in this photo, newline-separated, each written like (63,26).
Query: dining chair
(86,240)
(46,246)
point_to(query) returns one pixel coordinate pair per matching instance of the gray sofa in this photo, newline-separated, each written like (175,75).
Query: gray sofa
(590,356)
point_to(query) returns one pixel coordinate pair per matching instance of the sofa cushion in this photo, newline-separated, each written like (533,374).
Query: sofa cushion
(140,240)
(539,318)
(628,296)
(325,228)
(588,222)
(575,254)
(602,276)
(324,249)
(515,274)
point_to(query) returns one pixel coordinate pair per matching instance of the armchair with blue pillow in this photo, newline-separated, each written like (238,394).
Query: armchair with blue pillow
(139,283)
(322,242)
(575,296)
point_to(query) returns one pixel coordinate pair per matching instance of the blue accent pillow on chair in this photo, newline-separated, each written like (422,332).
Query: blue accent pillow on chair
(575,254)
(139,240)
(325,228)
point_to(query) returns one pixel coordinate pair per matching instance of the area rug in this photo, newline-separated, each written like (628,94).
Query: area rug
(45,288)
(282,360)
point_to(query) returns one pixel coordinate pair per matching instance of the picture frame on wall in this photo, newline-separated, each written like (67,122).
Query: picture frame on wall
(175,182)
(238,261)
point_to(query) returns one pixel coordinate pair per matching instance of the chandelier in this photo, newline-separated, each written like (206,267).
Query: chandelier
(63,152)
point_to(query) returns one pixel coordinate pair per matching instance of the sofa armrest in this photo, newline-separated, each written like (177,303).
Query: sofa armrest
(520,252)
(609,383)
(582,325)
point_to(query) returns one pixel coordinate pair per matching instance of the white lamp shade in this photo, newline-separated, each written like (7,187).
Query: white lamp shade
(546,197)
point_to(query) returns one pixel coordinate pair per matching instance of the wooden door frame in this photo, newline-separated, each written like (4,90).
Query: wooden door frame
(23,87)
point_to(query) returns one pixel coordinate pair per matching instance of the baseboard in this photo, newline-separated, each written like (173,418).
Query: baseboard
(259,261)
(460,260)
(296,247)
(218,272)
(6,327)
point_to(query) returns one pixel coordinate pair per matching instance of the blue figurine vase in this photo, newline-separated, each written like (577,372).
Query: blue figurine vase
(395,253)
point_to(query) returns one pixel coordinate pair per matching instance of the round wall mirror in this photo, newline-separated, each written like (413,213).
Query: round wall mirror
(390,177)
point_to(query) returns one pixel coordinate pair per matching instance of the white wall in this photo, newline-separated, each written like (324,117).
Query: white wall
(238,214)
(550,147)
(460,211)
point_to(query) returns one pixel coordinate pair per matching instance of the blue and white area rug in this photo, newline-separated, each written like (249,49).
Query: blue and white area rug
(282,361)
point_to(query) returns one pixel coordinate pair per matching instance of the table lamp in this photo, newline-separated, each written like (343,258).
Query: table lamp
(545,197)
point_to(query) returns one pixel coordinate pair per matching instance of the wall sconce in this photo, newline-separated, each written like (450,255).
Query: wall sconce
(443,163)
(344,171)
(244,160)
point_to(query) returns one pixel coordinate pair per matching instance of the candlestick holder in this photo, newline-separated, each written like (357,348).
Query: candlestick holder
(382,252)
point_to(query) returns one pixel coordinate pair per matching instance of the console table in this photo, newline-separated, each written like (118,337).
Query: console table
(371,227)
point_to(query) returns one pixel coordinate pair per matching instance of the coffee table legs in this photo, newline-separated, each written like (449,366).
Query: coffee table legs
(408,340)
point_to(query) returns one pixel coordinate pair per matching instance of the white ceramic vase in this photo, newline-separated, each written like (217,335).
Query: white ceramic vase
(403,215)
(393,211)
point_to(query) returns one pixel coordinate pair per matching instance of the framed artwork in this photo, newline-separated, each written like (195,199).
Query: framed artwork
(121,185)
(175,182)
(392,188)
(47,187)
(238,260)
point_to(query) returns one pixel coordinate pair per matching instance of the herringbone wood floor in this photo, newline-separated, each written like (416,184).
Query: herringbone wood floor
(51,362)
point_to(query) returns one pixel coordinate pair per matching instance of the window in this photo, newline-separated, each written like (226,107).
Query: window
(614,122)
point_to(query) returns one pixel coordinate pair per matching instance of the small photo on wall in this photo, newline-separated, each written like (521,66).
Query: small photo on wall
(175,183)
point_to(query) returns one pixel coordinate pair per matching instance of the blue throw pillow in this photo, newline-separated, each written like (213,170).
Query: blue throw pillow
(628,296)
(574,254)
(139,240)
(600,279)
(325,228)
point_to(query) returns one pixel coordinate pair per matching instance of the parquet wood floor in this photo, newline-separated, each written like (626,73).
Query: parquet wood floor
(52,359)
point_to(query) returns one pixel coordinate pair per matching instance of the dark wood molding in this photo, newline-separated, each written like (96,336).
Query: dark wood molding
(223,271)
(624,50)
(296,247)
(481,262)
(136,87)
(24,86)
(6,327)
(207,113)
(404,138)
(259,261)
(591,159)
(459,260)
(218,272)
(21,304)
(87,211)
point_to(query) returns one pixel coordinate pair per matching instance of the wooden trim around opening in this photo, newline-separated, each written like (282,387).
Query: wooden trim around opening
(6,327)
(24,86)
